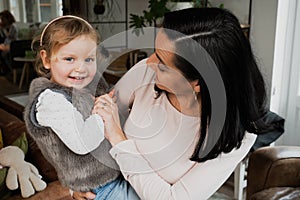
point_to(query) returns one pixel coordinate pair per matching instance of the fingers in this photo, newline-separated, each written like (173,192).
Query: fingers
(104,102)
(106,98)
(106,108)
(83,195)
(112,93)
(90,195)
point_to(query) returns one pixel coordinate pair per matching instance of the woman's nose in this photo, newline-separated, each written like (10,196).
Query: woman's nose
(153,61)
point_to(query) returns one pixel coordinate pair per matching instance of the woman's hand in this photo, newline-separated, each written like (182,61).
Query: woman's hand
(106,107)
(83,195)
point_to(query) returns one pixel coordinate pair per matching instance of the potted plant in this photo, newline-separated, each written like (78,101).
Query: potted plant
(156,10)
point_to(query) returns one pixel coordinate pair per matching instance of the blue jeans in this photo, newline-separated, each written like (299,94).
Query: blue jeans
(118,189)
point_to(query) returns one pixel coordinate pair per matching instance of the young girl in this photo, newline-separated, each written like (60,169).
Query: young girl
(58,114)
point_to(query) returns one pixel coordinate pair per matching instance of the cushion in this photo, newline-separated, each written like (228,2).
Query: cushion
(1,140)
(277,193)
(22,143)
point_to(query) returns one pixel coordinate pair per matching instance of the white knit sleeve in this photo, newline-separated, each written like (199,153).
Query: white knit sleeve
(200,182)
(79,135)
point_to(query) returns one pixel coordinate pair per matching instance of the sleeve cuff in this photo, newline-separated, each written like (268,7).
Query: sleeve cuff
(129,159)
(99,122)
(127,146)
(71,193)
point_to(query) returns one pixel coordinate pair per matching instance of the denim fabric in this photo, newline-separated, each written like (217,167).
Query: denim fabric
(118,189)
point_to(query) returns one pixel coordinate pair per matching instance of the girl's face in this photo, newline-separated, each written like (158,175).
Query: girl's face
(168,76)
(73,64)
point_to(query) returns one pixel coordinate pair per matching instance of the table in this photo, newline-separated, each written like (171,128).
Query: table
(27,62)
(21,99)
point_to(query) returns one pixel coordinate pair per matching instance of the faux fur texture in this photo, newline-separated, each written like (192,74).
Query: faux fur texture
(78,172)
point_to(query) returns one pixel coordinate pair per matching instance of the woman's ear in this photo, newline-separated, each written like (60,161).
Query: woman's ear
(196,86)
(45,60)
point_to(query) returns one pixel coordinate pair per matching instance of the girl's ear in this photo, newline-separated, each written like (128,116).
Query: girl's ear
(45,60)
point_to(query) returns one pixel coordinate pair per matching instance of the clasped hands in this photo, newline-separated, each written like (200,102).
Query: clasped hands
(106,107)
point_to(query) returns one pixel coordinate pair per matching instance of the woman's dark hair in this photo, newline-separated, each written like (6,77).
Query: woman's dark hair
(218,31)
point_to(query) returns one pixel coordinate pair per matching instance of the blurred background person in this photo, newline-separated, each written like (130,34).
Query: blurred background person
(8,33)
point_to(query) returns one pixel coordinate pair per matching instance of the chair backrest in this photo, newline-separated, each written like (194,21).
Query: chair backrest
(17,49)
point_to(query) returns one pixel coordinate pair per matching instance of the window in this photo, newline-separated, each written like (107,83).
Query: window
(14,8)
(31,11)
(50,9)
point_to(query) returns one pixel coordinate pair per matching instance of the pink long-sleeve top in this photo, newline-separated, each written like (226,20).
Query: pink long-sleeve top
(156,157)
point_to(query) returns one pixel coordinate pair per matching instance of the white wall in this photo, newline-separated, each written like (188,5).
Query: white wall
(282,57)
(262,36)
(137,7)
(2,5)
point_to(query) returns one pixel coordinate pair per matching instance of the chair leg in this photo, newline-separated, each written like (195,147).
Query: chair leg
(15,76)
(239,180)
(23,74)
(27,74)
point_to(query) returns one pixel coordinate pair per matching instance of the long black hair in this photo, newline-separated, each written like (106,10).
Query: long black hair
(218,31)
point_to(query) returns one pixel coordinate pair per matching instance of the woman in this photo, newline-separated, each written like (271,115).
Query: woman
(8,33)
(169,146)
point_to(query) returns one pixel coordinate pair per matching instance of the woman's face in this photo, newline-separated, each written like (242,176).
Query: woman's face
(73,64)
(168,76)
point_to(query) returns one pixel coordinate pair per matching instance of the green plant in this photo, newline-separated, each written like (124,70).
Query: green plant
(157,9)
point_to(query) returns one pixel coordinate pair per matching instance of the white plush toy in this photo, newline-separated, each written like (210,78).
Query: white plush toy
(20,170)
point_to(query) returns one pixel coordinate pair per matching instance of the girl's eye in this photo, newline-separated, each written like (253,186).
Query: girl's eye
(89,60)
(69,59)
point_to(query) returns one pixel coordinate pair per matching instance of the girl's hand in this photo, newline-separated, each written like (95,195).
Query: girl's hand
(106,107)
(83,195)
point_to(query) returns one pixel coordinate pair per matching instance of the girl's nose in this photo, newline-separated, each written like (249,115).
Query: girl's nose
(79,66)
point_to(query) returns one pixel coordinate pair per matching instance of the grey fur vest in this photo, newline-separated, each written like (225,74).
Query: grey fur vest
(78,172)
